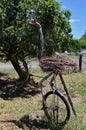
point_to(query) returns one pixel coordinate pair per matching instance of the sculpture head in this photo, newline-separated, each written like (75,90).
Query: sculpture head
(35,23)
(32,21)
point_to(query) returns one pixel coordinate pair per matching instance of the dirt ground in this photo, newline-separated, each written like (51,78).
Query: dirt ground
(8,121)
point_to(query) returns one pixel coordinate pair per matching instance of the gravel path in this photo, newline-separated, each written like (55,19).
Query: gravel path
(35,64)
(9,65)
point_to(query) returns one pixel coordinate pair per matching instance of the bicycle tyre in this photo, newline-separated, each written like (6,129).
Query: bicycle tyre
(48,110)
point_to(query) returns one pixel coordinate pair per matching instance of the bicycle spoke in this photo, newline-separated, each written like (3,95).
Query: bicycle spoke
(55,108)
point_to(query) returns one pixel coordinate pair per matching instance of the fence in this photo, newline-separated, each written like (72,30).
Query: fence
(82,62)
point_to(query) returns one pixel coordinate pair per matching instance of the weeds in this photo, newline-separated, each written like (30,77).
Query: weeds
(28,102)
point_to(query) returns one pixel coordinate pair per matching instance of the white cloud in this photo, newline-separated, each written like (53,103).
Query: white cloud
(74,20)
(64,7)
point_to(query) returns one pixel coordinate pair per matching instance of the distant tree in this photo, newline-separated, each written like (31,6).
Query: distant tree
(74,46)
(82,41)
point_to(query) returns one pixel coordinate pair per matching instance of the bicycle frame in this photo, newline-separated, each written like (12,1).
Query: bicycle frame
(52,85)
(41,84)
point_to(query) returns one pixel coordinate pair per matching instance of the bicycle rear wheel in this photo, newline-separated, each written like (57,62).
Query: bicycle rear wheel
(56,107)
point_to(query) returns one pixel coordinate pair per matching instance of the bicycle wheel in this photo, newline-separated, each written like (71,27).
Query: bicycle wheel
(56,107)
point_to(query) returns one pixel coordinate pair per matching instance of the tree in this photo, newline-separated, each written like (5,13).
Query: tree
(82,41)
(56,26)
(18,38)
(15,37)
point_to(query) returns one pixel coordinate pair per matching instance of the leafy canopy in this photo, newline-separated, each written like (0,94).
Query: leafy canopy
(18,38)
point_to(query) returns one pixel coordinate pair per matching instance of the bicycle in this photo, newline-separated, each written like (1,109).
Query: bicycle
(55,66)
(55,105)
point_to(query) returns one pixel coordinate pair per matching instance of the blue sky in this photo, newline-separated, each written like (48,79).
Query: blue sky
(78,17)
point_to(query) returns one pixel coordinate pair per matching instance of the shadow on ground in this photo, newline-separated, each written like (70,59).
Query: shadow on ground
(11,88)
(33,123)
(3,74)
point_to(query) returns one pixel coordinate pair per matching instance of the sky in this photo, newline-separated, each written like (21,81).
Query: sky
(78,17)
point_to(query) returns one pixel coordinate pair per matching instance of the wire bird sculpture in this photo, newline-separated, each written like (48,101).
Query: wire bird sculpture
(57,63)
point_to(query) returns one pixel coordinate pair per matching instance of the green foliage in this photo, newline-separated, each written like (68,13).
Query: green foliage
(18,38)
(74,46)
(82,41)
(14,40)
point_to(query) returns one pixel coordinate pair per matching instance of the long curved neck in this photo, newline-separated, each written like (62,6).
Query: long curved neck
(40,41)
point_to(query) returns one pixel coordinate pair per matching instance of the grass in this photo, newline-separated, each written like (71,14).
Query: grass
(24,112)
(77,85)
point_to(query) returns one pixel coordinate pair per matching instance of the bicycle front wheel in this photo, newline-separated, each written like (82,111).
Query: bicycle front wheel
(56,107)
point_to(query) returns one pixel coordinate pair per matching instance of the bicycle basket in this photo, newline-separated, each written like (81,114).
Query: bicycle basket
(58,63)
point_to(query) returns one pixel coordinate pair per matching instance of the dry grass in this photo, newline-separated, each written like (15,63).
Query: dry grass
(20,103)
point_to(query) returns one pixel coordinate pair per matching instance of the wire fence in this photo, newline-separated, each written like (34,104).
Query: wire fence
(80,61)
(83,62)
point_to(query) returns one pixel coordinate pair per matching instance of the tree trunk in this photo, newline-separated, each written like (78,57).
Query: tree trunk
(22,72)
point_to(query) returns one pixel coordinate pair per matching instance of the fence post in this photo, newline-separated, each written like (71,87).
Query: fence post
(80,62)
